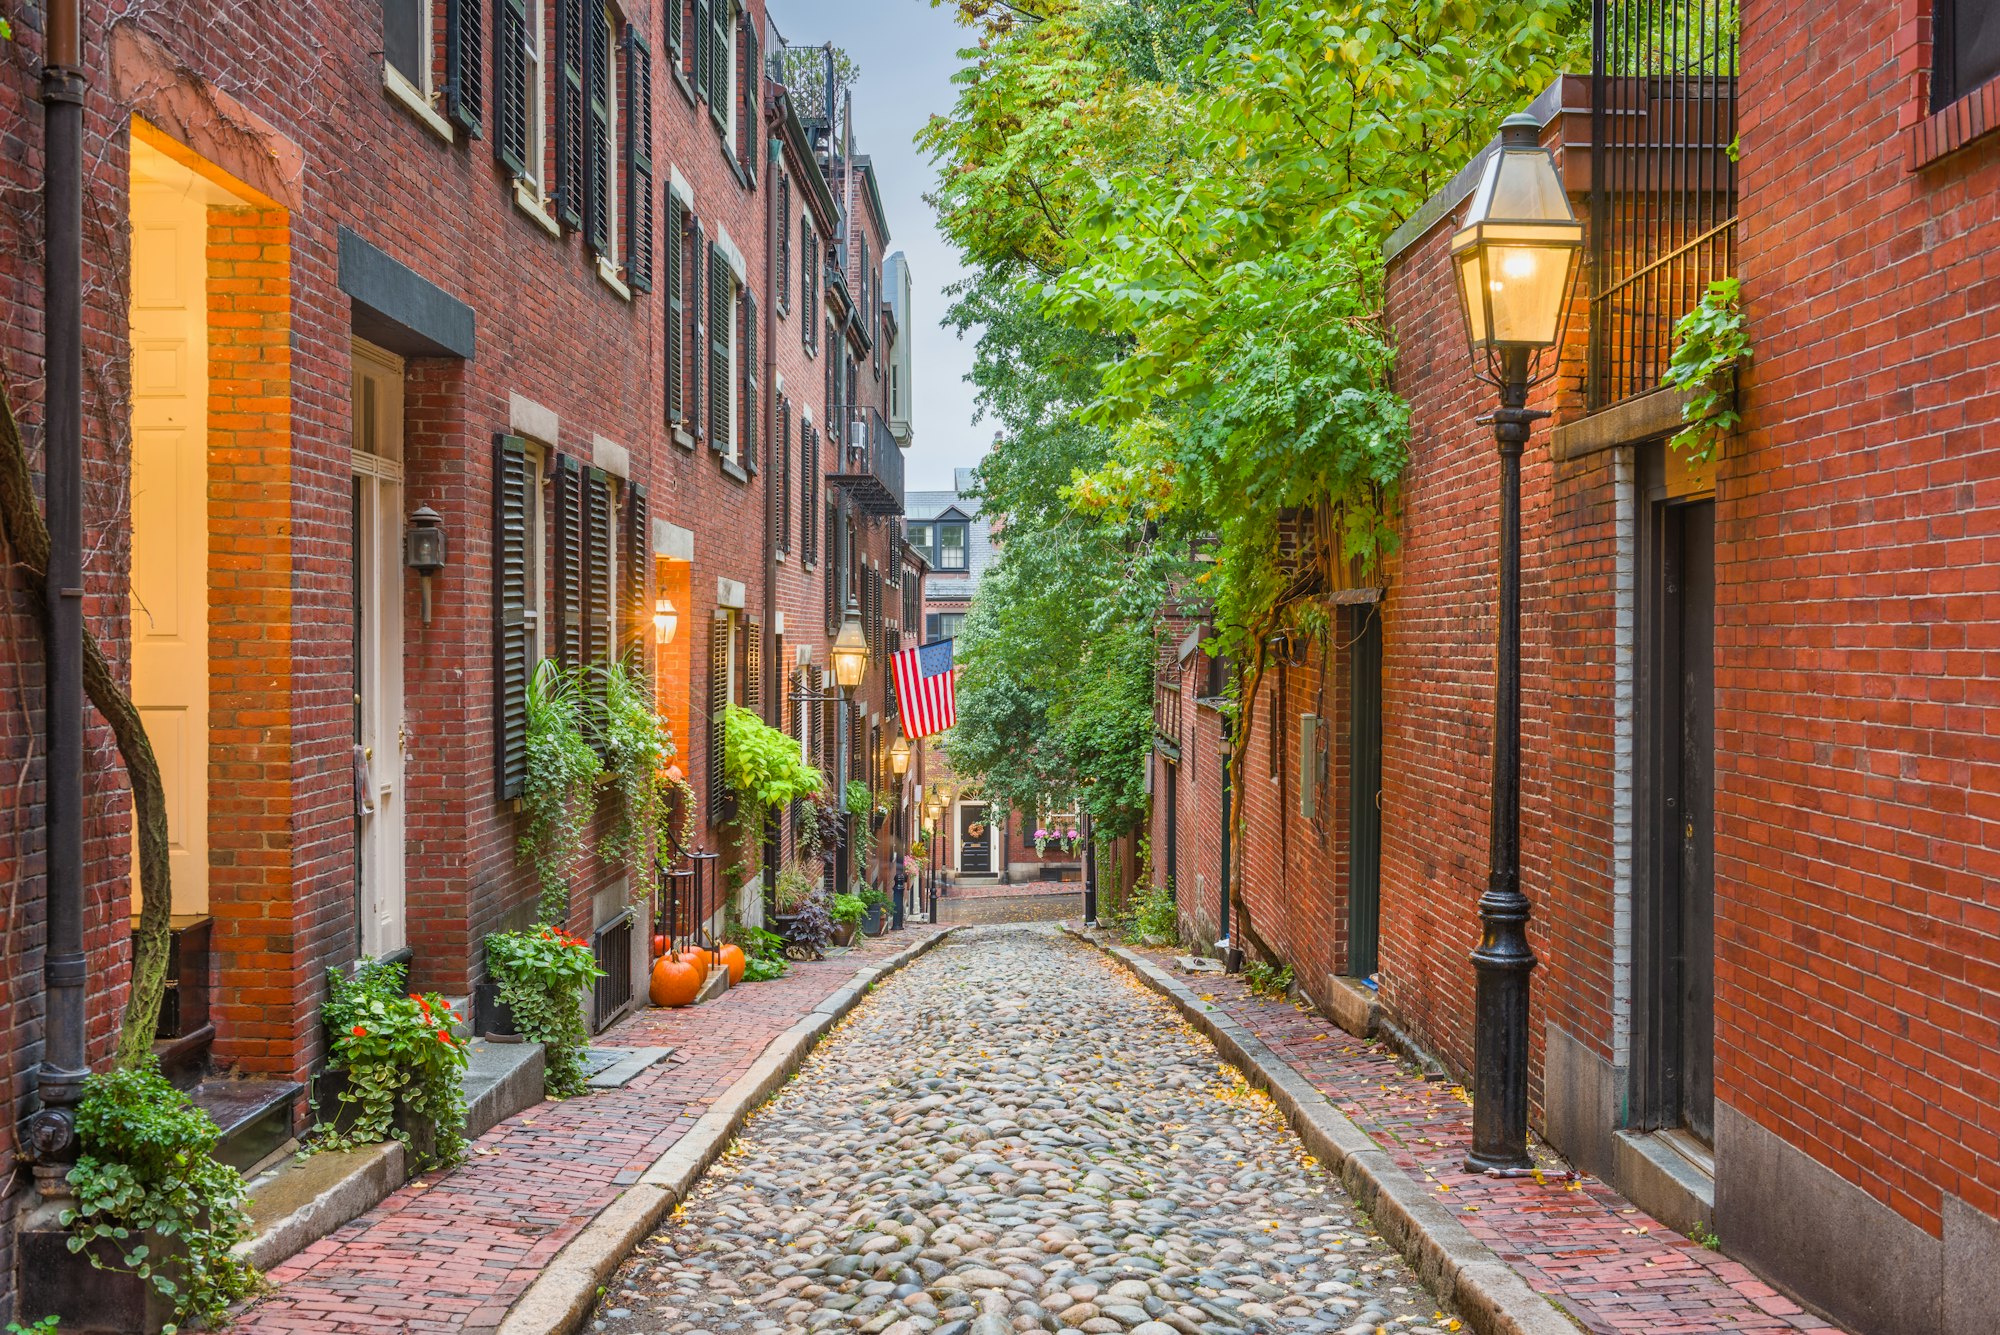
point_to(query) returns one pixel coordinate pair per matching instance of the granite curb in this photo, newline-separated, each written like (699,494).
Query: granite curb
(559,1299)
(1488,1293)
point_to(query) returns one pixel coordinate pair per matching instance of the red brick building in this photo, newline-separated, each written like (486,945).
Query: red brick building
(565,273)
(1758,719)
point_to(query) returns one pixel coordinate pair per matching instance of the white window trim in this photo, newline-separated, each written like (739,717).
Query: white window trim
(614,163)
(538,455)
(733,28)
(415,100)
(537,115)
(736,291)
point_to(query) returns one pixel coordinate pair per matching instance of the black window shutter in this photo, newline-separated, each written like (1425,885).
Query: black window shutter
(784,283)
(602,157)
(638,162)
(676,313)
(697,355)
(510,85)
(571,182)
(809,494)
(834,574)
(753,403)
(748,121)
(635,568)
(718,701)
(568,561)
(703,41)
(513,636)
(598,614)
(808,302)
(781,451)
(721,70)
(721,315)
(465,65)
(753,665)
(672,12)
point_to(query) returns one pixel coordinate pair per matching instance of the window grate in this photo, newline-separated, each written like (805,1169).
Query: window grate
(611,946)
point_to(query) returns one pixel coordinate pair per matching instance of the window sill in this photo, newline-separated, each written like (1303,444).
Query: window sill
(1945,132)
(680,76)
(528,200)
(608,271)
(733,469)
(413,101)
(684,440)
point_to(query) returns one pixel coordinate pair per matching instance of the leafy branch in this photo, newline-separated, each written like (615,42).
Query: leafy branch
(1711,341)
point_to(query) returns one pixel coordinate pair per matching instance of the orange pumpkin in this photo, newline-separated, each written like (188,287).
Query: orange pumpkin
(704,960)
(676,982)
(659,944)
(732,960)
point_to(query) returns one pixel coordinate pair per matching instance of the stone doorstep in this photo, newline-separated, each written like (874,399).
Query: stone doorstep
(1352,1005)
(615,1068)
(300,1201)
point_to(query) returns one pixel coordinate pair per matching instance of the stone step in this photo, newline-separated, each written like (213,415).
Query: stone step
(501,1079)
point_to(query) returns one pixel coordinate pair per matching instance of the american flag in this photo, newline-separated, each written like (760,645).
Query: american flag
(927,687)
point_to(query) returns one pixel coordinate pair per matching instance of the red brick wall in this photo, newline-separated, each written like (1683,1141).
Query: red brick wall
(1858,731)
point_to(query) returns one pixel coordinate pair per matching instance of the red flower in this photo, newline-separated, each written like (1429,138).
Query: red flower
(359,1032)
(444,1037)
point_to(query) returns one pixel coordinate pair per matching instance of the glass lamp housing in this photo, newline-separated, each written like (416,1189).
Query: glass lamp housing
(850,650)
(1514,254)
(899,757)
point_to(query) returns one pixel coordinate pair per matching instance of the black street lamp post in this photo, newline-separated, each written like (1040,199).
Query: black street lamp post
(1514,257)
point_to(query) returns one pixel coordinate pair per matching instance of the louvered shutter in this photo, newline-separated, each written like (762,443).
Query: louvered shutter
(638,162)
(676,313)
(784,283)
(597,221)
(721,67)
(703,45)
(718,702)
(697,353)
(635,565)
(808,300)
(832,570)
(753,665)
(465,65)
(816,723)
(510,85)
(721,315)
(671,11)
(571,176)
(753,404)
(598,605)
(748,121)
(513,635)
(781,450)
(809,493)
(568,560)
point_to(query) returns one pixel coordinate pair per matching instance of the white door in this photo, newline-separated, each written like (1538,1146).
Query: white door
(377,403)
(170,510)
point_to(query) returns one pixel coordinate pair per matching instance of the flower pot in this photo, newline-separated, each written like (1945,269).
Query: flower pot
(843,933)
(55,1279)
(332,1083)
(493,1018)
(873,923)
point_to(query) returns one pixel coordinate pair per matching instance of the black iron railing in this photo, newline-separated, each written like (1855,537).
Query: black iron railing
(611,945)
(865,459)
(1663,196)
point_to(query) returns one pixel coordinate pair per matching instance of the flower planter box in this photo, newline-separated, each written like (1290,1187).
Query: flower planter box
(875,923)
(91,1301)
(493,1018)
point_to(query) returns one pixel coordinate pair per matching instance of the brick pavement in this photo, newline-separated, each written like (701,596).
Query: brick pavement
(1613,1268)
(450,1252)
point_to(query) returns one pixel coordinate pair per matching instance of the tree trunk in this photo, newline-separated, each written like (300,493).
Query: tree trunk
(28,534)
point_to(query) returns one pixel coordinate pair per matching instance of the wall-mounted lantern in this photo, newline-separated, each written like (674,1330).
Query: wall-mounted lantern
(666,619)
(423,549)
(899,756)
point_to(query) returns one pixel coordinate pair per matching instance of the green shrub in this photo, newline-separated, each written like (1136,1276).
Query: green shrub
(636,750)
(762,765)
(1267,979)
(394,1048)
(557,792)
(148,1169)
(541,975)
(847,909)
(1153,919)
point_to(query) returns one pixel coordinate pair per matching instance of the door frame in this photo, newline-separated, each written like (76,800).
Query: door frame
(1659,939)
(377,556)
(958,837)
(1364,791)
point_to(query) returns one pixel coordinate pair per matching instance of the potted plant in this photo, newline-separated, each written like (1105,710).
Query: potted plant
(541,975)
(847,912)
(396,1068)
(876,900)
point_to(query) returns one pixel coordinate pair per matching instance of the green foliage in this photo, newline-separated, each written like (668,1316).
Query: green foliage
(541,975)
(756,941)
(1704,1236)
(1174,211)
(47,1325)
(763,968)
(636,747)
(858,799)
(1152,917)
(796,884)
(1268,980)
(147,1182)
(395,1049)
(847,909)
(871,896)
(762,765)
(1710,342)
(557,793)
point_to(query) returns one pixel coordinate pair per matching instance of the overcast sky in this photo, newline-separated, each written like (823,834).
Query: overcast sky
(907,52)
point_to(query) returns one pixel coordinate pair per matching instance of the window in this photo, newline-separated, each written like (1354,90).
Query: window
(732,379)
(951,547)
(920,538)
(638,121)
(943,626)
(808,286)
(808,494)
(722,68)
(1965,47)
(410,39)
(745,130)
(602,153)
(520,111)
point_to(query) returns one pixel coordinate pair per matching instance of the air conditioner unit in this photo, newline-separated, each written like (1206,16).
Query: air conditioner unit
(857,436)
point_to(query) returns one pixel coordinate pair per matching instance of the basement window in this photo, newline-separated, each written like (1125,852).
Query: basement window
(1965,48)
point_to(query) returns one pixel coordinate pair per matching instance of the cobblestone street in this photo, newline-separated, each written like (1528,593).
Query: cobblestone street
(1012,1135)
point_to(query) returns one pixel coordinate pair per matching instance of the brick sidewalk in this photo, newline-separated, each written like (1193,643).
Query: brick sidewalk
(449,1253)
(1580,1244)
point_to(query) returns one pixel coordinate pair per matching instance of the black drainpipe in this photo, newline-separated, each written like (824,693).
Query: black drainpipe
(1232,953)
(51,1131)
